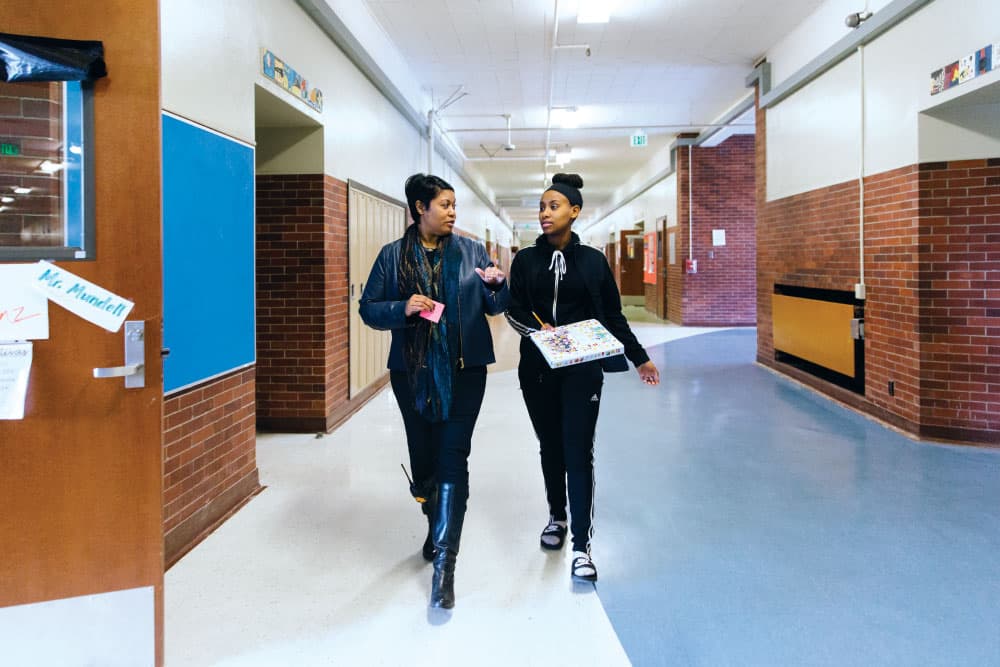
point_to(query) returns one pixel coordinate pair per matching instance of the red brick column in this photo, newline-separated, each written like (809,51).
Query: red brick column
(959,282)
(722,292)
(291,294)
(336,303)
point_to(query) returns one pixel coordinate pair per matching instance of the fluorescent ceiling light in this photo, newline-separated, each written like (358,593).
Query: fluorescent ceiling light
(21,191)
(50,167)
(6,200)
(594,11)
(565,117)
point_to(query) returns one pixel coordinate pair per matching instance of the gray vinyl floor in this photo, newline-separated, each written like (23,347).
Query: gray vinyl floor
(740,520)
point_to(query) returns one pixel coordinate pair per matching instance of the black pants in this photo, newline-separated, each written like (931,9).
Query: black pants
(563,404)
(439,452)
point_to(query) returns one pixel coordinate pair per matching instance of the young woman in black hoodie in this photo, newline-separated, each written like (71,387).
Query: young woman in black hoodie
(554,282)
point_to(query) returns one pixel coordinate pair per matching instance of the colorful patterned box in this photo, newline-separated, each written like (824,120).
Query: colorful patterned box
(576,343)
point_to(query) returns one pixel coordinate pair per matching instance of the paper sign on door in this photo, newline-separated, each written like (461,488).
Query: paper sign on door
(24,313)
(15,365)
(81,297)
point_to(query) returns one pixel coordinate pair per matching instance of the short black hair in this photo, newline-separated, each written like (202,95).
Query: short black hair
(423,188)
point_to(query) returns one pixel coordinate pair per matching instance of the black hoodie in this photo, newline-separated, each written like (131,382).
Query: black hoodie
(586,290)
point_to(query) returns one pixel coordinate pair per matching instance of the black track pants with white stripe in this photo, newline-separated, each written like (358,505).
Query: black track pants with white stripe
(563,404)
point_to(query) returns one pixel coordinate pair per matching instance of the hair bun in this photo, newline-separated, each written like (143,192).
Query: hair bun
(569,179)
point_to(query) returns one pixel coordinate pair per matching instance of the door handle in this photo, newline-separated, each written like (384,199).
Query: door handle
(134,370)
(118,371)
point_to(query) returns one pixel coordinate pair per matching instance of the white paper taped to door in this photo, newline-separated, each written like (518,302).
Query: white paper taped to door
(24,313)
(81,297)
(15,366)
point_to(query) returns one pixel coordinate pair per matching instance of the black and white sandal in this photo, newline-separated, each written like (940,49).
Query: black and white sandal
(554,535)
(583,567)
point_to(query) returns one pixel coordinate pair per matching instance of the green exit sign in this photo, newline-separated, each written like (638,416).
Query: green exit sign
(9,149)
(639,140)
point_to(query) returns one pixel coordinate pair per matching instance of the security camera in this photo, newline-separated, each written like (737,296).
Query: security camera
(857,18)
(509,147)
(587,52)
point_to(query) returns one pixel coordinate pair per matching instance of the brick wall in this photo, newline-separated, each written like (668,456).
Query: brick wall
(303,323)
(932,274)
(959,282)
(337,324)
(650,297)
(892,318)
(209,458)
(291,301)
(722,292)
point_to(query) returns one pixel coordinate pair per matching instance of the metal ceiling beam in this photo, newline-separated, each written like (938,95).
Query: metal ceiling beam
(691,127)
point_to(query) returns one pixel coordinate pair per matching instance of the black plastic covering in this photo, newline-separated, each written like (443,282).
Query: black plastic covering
(26,58)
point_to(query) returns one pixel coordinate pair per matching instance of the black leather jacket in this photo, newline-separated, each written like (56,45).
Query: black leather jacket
(383,307)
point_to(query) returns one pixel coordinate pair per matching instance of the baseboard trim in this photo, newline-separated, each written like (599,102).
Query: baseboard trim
(335,418)
(186,535)
(936,434)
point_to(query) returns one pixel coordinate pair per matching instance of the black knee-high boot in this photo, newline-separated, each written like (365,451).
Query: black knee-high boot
(425,493)
(448,519)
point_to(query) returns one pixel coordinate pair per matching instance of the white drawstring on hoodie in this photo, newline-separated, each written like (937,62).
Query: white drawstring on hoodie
(558,267)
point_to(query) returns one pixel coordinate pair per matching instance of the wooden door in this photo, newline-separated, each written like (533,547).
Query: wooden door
(630,245)
(81,578)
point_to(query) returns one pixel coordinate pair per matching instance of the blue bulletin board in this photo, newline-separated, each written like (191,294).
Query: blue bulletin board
(208,254)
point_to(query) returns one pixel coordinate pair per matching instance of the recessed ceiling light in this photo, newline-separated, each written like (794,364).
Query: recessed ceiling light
(6,200)
(21,191)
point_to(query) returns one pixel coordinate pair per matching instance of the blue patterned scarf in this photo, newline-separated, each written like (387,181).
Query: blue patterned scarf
(431,349)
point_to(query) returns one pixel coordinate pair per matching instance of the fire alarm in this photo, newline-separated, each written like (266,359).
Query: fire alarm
(690,266)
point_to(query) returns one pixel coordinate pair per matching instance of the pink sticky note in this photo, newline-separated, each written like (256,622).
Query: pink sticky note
(433,315)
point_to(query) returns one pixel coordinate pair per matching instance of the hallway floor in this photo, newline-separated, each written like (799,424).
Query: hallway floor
(740,520)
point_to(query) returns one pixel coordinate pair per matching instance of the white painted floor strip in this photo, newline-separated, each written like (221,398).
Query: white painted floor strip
(323,567)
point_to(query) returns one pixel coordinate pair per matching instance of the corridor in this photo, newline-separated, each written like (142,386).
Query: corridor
(751,522)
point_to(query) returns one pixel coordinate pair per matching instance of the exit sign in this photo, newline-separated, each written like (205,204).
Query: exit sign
(9,149)
(639,140)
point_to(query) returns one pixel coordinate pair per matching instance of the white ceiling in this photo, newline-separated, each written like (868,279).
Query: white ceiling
(665,66)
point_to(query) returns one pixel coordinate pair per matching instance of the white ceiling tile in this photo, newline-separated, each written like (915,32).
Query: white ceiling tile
(657,62)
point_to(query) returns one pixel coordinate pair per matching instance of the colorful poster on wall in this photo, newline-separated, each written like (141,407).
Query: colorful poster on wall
(978,63)
(984,60)
(289,80)
(951,75)
(649,258)
(966,68)
(937,81)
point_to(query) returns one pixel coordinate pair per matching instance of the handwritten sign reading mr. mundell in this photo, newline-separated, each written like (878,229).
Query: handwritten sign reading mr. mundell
(82,297)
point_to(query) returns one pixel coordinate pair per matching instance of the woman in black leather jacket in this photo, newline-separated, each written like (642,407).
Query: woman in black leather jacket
(554,282)
(437,367)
